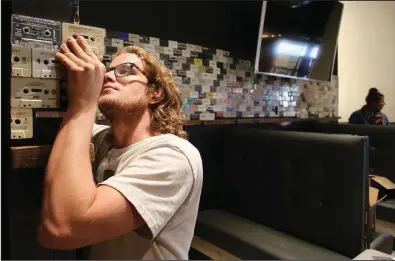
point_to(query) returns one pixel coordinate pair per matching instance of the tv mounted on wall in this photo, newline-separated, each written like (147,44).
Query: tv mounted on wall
(298,39)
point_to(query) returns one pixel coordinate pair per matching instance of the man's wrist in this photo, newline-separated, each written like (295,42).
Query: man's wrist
(76,112)
(77,108)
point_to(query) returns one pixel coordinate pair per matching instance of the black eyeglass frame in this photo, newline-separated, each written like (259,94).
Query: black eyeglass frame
(108,69)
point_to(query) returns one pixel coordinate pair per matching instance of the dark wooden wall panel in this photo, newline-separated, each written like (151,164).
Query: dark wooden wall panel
(24,208)
(228,25)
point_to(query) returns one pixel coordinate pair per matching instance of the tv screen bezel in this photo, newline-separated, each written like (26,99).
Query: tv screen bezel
(258,49)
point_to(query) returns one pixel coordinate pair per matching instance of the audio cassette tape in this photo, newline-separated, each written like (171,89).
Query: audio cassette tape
(94,35)
(45,65)
(21,61)
(35,93)
(35,32)
(21,123)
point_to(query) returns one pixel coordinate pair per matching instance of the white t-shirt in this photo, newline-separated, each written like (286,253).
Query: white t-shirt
(162,177)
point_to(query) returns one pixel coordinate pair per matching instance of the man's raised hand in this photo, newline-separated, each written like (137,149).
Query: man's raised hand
(85,72)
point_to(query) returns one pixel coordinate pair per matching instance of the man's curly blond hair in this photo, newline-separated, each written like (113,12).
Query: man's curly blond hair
(166,114)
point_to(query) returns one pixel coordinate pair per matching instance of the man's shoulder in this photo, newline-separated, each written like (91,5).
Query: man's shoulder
(160,144)
(165,147)
(177,143)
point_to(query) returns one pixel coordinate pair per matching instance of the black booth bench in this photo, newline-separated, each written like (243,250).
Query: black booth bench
(283,195)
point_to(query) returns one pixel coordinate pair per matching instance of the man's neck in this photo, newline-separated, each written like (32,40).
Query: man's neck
(126,133)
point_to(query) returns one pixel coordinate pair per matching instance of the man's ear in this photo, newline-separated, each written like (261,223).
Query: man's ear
(157,96)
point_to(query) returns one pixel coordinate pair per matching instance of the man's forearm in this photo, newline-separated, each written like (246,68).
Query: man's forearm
(69,187)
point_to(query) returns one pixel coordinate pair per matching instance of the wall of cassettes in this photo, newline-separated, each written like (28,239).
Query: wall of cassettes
(38,86)
(213,84)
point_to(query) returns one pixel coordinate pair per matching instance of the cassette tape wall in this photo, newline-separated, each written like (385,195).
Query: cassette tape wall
(213,84)
(36,80)
(38,86)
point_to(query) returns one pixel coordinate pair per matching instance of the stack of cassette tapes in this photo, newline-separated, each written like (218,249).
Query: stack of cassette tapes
(38,82)
(213,84)
(35,76)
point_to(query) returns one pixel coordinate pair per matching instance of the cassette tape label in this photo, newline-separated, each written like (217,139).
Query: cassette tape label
(173,44)
(173,58)
(154,41)
(135,38)
(94,35)
(149,48)
(35,32)
(116,42)
(168,50)
(186,53)
(21,123)
(45,65)
(35,93)
(21,61)
(177,52)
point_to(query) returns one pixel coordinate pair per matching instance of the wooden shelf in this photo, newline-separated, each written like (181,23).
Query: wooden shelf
(50,114)
(255,121)
(36,156)
(30,156)
(247,121)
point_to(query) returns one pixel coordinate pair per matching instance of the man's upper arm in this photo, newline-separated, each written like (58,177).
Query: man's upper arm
(148,191)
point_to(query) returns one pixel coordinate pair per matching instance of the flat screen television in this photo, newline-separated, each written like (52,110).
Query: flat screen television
(298,39)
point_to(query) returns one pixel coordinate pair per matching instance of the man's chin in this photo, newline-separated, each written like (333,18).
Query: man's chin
(106,94)
(106,103)
(108,97)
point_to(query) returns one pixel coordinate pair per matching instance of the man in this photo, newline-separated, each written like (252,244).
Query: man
(149,180)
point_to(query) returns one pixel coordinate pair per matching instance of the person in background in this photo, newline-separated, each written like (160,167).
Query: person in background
(371,113)
(141,199)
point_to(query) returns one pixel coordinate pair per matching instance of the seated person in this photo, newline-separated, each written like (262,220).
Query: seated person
(371,113)
(141,199)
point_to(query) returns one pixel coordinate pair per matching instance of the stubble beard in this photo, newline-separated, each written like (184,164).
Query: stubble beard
(127,111)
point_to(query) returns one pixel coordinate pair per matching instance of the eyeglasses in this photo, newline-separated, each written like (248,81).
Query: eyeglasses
(123,69)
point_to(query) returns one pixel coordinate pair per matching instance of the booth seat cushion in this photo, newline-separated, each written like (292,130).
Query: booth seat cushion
(249,240)
(385,210)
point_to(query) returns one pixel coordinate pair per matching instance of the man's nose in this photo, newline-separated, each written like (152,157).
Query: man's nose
(110,76)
